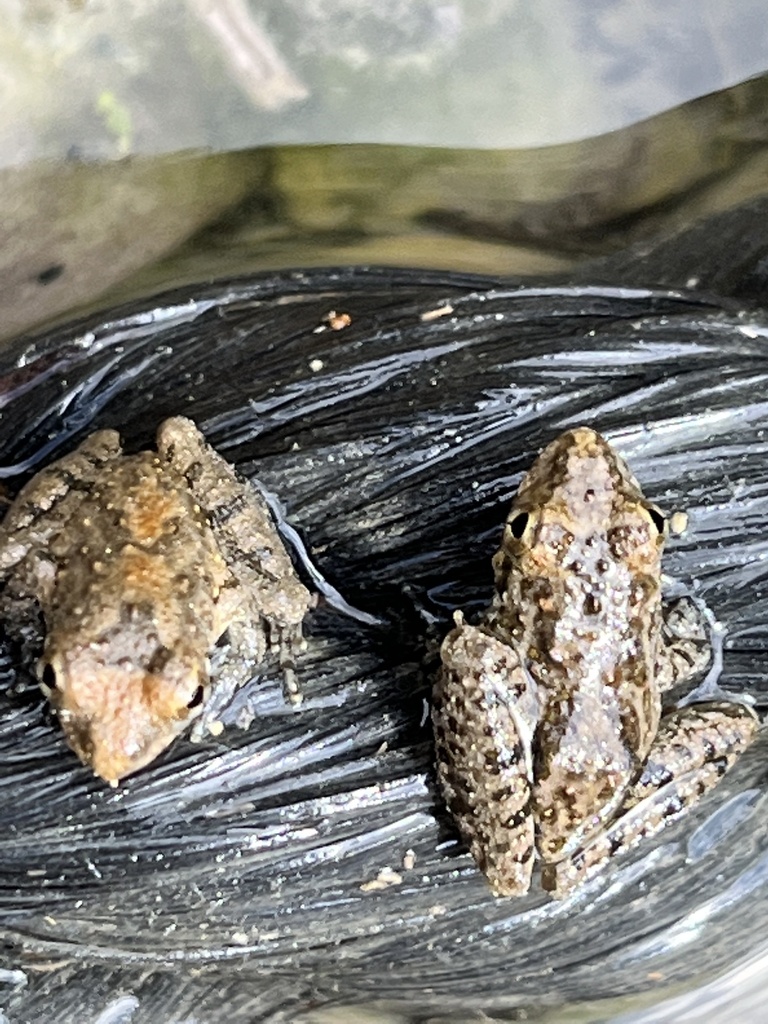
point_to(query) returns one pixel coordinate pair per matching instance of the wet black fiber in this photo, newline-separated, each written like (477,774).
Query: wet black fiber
(309,860)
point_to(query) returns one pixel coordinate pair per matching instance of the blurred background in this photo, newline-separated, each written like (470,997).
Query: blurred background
(161,142)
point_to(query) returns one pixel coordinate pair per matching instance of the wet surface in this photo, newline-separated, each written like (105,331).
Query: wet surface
(242,866)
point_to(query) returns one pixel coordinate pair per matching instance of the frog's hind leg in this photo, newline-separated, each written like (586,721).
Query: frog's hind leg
(270,592)
(241,522)
(48,500)
(693,749)
(43,508)
(484,718)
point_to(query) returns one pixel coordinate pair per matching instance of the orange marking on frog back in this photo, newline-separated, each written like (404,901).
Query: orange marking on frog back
(151,512)
(144,574)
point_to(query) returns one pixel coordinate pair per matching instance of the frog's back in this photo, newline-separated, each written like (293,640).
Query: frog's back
(579,572)
(138,546)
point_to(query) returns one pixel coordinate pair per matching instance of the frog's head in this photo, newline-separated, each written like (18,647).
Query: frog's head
(119,713)
(580,510)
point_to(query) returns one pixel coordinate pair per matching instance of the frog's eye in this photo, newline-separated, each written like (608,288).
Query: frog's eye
(197,698)
(658,519)
(48,677)
(518,524)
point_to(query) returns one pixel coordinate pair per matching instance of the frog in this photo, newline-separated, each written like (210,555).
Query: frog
(155,584)
(555,741)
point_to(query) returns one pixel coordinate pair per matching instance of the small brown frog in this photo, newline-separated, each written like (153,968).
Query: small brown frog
(550,734)
(140,564)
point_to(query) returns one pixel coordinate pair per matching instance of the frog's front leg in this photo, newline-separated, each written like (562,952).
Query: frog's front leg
(686,647)
(484,714)
(692,641)
(47,503)
(693,749)
(233,663)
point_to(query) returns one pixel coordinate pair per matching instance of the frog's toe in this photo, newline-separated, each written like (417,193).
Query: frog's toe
(710,692)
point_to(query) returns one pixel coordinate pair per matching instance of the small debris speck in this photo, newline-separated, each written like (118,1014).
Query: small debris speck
(678,523)
(385,878)
(435,314)
(333,320)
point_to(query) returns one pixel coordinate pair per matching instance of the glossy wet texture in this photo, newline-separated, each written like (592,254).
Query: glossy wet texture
(139,564)
(548,709)
(236,872)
